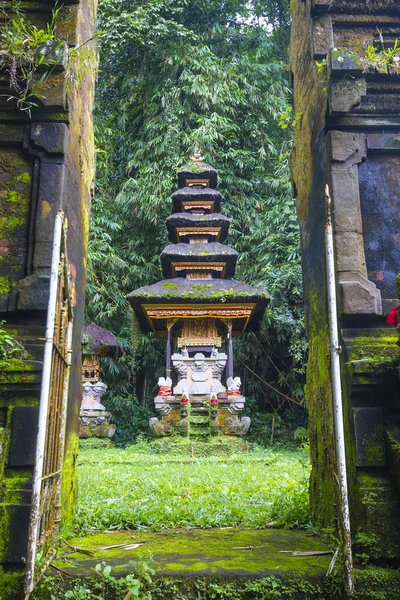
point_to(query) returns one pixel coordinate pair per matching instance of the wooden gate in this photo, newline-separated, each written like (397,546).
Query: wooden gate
(46,488)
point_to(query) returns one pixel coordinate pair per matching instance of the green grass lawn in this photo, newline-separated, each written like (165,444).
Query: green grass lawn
(155,486)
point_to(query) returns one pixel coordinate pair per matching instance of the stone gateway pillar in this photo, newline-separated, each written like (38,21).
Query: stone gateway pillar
(347,98)
(46,165)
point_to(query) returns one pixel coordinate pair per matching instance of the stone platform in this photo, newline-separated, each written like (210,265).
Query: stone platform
(196,553)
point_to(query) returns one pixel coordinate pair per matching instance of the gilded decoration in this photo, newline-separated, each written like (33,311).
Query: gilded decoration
(90,367)
(197,182)
(219,267)
(185,231)
(199,332)
(193,204)
(200,275)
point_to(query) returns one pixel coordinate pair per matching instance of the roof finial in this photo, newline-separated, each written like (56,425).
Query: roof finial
(197,158)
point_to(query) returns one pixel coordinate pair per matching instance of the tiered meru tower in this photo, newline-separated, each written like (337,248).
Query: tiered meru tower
(199,307)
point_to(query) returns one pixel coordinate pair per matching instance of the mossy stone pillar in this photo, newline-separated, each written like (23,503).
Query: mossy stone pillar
(46,164)
(347,136)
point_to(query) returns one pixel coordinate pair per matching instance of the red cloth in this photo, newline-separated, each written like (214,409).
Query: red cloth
(165,390)
(234,393)
(393,317)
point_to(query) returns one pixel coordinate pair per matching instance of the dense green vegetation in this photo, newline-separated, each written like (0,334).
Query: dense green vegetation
(163,485)
(173,74)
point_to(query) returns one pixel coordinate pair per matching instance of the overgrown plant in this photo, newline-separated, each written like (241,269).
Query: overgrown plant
(103,585)
(10,348)
(384,60)
(24,52)
(30,55)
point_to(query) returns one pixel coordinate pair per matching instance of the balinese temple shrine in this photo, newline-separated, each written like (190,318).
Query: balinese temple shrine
(198,307)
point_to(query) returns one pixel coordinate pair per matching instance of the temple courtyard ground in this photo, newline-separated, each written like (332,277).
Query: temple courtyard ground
(223,483)
(181,521)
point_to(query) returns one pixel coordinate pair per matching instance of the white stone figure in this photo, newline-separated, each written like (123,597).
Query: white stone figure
(199,374)
(234,383)
(164,384)
(92,393)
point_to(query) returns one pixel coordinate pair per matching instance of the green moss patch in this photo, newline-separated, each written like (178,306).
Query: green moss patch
(216,552)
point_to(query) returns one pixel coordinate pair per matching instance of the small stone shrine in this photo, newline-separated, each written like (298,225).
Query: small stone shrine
(198,307)
(94,420)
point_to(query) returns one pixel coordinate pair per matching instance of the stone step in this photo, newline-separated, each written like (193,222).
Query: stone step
(365,336)
(377,487)
(27,332)
(382,514)
(16,487)
(199,437)
(205,419)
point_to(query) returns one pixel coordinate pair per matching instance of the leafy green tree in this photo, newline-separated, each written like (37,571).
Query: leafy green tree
(174,73)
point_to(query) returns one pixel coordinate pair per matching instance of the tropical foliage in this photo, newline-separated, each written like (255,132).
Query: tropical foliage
(173,74)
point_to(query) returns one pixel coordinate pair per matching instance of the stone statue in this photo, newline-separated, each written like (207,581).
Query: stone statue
(234,384)
(159,429)
(165,386)
(234,426)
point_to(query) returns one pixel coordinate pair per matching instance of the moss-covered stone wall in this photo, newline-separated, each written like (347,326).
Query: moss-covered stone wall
(46,164)
(308,171)
(347,137)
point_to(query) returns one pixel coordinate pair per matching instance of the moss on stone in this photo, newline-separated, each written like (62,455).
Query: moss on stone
(171,286)
(10,583)
(377,584)
(24,178)
(13,495)
(8,225)
(220,552)
(69,489)
(4,284)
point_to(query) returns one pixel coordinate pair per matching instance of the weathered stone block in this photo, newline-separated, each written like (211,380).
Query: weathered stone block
(345,62)
(23,436)
(358,295)
(345,94)
(349,248)
(369,434)
(66,23)
(53,52)
(343,146)
(322,4)
(11,134)
(346,202)
(51,137)
(323,36)
(383,142)
(33,292)
(54,92)
(13,550)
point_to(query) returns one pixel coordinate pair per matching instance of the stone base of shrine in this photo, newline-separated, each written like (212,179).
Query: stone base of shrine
(199,417)
(95,423)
